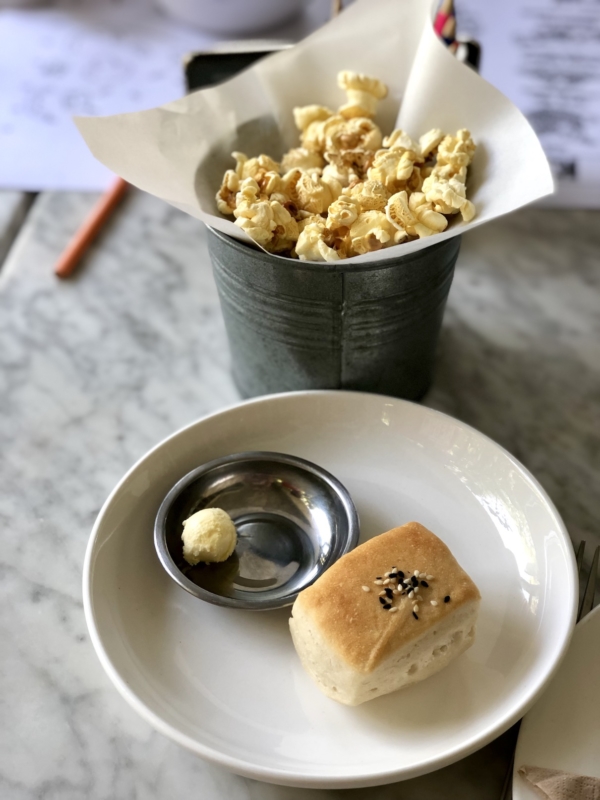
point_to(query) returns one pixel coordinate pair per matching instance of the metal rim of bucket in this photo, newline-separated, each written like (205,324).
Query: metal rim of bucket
(333,266)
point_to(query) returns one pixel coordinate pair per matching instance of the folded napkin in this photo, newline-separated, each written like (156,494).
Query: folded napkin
(557,785)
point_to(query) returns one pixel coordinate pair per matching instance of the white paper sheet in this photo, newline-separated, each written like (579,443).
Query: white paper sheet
(86,57)
(545,56)
(180,151)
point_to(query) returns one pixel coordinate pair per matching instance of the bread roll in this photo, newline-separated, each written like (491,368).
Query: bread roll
(358,645)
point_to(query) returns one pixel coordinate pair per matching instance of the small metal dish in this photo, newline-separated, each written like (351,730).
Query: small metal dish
(293,520)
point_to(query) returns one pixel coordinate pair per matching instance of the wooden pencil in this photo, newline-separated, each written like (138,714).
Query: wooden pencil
(90,228)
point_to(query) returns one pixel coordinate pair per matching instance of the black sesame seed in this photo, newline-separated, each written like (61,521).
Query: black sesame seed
(400,574)
(382,600)
(414,580)
(447,598)
(414,615)
(425,584)
(387,605)
(389,593)
(378,578)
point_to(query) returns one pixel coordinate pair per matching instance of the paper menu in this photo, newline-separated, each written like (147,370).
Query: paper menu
(545,56)
(180,151)
(87,57)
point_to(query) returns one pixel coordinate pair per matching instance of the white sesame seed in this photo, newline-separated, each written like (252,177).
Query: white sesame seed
(416,573)
(411,595)
(366,588)
(422,575)
(396,591)
(429,577)
(387,574)
(386,581)
(393,609)
(416,589)
(378,582)
(381,594)
(415,608)
(433,602)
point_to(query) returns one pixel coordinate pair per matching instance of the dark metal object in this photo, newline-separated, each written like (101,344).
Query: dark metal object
(296,325)
(209,68)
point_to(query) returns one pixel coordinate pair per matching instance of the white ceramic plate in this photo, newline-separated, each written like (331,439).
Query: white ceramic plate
(228,685)
(562,731)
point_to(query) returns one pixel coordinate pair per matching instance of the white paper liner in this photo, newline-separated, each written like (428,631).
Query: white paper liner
(180,151)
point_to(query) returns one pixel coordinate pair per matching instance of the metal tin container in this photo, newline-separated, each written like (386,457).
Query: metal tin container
(295,325)
(293,521)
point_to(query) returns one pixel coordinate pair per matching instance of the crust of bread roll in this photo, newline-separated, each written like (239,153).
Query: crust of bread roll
(354,648)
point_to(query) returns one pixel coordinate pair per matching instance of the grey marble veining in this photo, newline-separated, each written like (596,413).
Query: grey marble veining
(97,369)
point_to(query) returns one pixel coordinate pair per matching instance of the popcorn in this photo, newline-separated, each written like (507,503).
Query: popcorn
(423,211)
(354,162)
(404,218)
(390,167)
(314,137)
(226,194)
(309,219)
(448,196)
(373,231)
(363,94)
(456,151)
(282,188)
(415,182)
(265,221)
(285,232)
(347,190)
(430,140)
(371,195)
(302,158)
(316,194)
(399,140)
(357,133)
(343,212)
(306,115)
(311,244)
(254,167)
(344,175)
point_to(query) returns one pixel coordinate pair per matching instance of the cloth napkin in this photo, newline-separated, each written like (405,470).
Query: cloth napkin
(557,785)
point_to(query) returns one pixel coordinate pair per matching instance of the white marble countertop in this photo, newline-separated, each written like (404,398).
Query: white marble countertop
(97,369)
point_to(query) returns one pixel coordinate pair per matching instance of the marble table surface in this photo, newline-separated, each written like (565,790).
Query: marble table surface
(97,369)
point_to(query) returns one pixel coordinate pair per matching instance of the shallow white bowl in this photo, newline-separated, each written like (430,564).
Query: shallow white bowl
(227,683)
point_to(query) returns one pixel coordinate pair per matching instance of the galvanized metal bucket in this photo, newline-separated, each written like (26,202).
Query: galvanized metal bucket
(296,325)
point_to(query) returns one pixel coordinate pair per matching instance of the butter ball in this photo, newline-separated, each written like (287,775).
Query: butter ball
(208,535)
